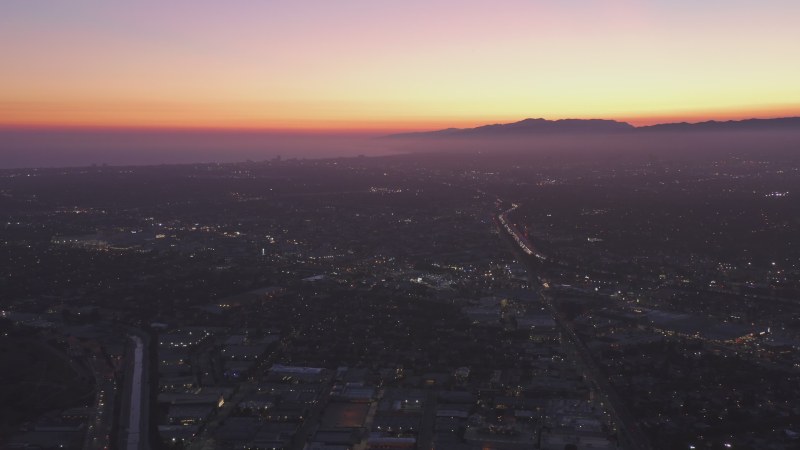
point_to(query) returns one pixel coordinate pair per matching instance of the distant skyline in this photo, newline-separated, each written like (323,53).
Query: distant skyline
(378,66)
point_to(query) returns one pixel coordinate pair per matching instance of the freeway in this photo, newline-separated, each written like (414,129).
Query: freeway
(632,434)
(523,242)
(101,421)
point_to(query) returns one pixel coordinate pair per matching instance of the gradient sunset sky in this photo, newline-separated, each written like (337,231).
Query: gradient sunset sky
(393,65)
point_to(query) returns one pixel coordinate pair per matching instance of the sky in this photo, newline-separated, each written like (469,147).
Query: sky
(376,66)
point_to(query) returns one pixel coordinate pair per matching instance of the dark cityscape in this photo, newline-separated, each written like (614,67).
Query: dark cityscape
(410,301)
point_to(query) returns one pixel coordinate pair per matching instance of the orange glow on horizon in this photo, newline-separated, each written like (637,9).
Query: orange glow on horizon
(370,127)
(380,67)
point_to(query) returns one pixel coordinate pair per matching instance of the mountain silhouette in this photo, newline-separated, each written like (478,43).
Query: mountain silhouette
(527,127)
(785,123)
(539,127)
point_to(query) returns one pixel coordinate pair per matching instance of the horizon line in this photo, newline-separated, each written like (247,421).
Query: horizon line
(296,131)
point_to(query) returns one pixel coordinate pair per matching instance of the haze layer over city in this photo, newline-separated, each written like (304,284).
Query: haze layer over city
(420,225)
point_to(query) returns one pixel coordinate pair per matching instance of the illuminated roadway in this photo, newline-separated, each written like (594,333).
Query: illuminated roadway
(518,237)
(634,437)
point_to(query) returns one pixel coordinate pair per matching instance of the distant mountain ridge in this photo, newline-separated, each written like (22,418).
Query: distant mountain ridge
(784,123)
(533,127)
